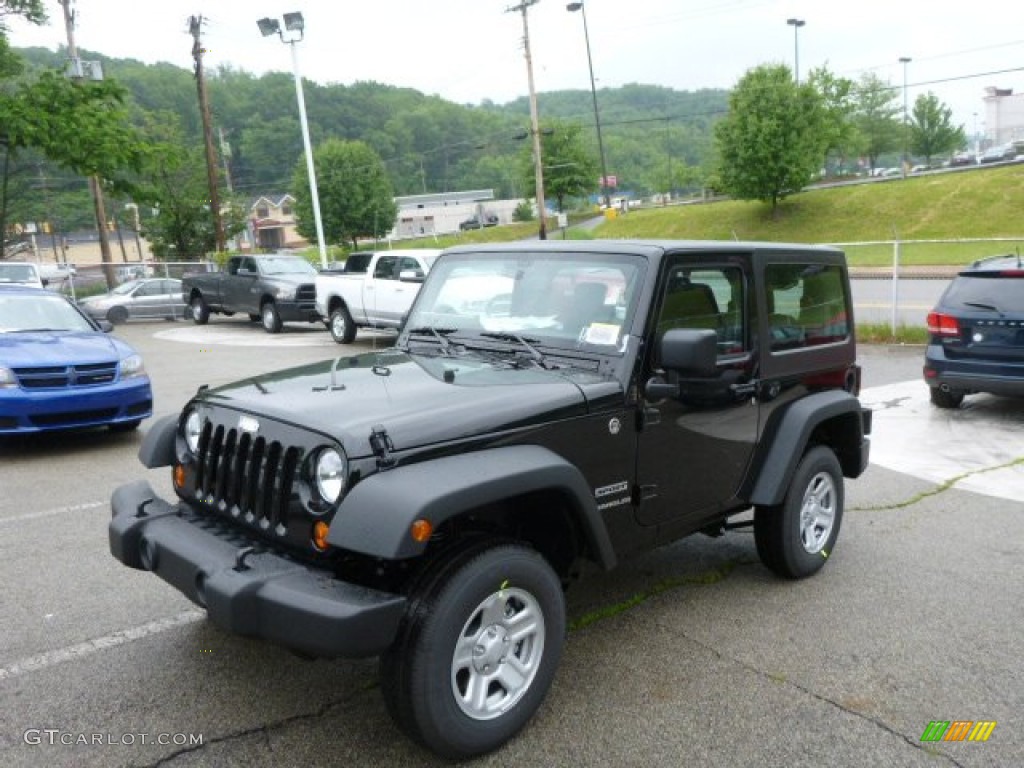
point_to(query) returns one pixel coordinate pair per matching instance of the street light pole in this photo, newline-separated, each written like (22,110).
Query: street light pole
(904,60)
(796,24)
(597,115)
(538,166)
(294,22)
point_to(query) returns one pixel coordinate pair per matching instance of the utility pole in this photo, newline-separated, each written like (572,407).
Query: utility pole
(225,153)
(195,24)
(538,166)
(95,186)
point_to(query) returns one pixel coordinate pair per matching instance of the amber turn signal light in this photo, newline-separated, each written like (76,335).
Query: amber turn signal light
(421,530)
(320,531)
(179,475)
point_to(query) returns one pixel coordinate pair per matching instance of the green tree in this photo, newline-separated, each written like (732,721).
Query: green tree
(932,132)
(569,169)
(839,96)
(772,142)
(175,184)
(356,198)
(877,117)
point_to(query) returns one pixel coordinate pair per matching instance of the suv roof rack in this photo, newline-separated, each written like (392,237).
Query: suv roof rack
(981,262)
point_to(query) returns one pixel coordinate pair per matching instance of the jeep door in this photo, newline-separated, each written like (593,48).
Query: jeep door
(694,448)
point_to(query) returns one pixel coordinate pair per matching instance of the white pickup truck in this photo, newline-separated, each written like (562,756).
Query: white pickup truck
(378,297)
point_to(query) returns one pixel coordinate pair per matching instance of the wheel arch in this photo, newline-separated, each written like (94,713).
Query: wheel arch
(833,418)
(333,302)
(527,492)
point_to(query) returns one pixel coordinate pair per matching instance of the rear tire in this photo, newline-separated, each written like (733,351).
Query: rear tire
(271,318)
(477,650)
(942,399)
(200,310)
(341,326)
(796,537)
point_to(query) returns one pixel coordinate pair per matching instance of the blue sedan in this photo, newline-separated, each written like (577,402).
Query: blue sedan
(59,370)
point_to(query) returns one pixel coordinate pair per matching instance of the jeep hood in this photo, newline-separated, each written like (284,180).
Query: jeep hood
(419,399)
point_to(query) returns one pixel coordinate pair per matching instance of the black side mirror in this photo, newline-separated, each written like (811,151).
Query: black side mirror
(691,353)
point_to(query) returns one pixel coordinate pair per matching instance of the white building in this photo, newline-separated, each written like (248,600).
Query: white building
(441,212)
(1004,115)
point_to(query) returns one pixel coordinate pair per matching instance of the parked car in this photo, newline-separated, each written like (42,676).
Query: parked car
(976,333)
(60,370)
(272,288)
(21,273)
(963,158)
(490,220)
(378,295)
(430,502)
(150,298)
(999,154)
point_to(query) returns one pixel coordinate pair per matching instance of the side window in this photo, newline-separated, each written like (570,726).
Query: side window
(385,269)
(710,298)
(409,264)
(806,305)
(233,265)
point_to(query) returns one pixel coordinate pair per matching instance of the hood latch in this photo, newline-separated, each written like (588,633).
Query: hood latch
(382,446)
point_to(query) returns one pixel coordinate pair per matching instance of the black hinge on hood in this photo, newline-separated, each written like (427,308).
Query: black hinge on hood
(382,446)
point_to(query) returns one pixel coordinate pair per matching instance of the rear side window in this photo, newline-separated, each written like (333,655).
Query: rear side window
(806,305)
(1002,293)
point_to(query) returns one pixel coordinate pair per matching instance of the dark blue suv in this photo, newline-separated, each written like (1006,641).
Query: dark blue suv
(976,333)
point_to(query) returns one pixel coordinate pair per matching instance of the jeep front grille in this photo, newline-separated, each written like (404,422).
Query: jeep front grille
(246,477)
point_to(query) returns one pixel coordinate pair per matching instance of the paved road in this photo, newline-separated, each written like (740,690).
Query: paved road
(692,655)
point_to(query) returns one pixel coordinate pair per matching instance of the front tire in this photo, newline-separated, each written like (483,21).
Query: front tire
(477,650)
(796,537)
(341,326)
(200,310)
(117,315)
(271,318)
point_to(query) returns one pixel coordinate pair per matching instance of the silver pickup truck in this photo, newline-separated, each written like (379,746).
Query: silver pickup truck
(378,297)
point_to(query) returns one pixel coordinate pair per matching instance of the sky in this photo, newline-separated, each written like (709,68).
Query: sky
(469,51)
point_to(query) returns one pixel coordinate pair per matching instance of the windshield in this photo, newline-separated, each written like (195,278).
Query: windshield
(39,312)
(286,265)
(18,273)
(568,300)
(126,288)
(999,292)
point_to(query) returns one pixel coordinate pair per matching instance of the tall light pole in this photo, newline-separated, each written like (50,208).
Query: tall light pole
(796,24)
(538,166)
(293,22)
(904,60)
(572,7)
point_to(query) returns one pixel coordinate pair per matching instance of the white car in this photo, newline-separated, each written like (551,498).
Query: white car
(21,273)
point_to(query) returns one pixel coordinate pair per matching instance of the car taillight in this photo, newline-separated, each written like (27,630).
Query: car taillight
(942,324)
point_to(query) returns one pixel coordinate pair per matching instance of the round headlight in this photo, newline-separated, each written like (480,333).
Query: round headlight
(193,428)
(330,475)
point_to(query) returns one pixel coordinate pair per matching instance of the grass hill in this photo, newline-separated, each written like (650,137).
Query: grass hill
(978,203)
(975,203)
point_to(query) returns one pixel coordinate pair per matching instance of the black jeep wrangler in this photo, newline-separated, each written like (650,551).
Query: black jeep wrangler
(547,404)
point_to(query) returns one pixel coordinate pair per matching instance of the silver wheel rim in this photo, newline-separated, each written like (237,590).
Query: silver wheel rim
(268,316)
(197,310)
(338,325)
(497,654)
(818,512)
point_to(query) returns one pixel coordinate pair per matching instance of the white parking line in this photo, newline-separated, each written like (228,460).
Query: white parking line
(59,656)
(52,512)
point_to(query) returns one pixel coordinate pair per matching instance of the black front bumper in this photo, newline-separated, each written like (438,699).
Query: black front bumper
(297,311)
(253,593)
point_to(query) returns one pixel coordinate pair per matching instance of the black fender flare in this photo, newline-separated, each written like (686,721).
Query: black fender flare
(786,438)
(157,449)
(375,517)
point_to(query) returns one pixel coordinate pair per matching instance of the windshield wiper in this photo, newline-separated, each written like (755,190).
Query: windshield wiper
(983,305)
(440,334)
(535,353)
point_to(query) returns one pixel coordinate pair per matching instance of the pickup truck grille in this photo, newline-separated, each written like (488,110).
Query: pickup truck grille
(61,376)
(247,477)
(306,294)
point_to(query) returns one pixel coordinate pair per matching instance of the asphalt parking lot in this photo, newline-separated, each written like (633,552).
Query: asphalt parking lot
(692,655)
